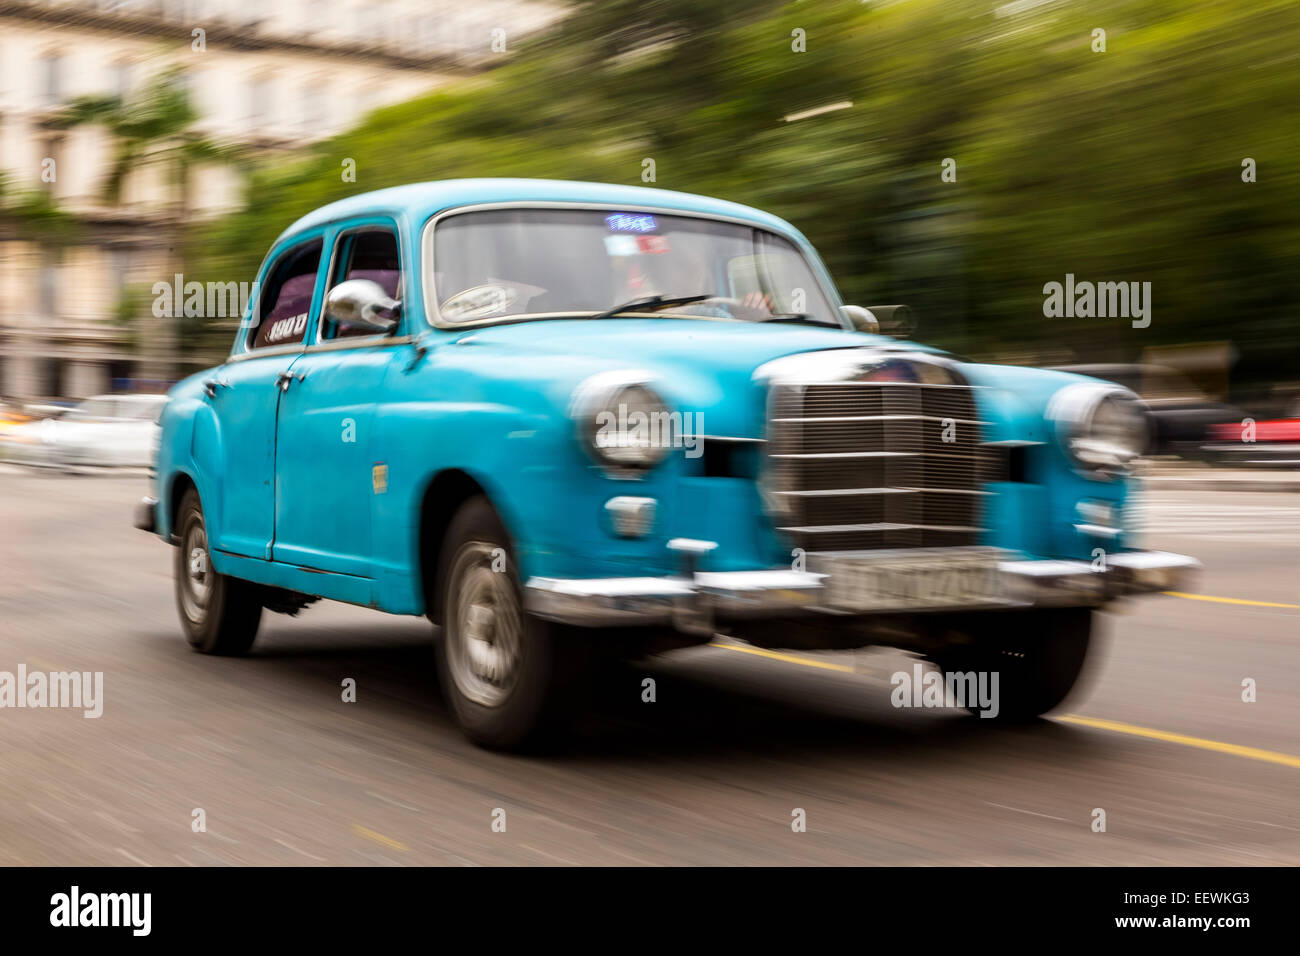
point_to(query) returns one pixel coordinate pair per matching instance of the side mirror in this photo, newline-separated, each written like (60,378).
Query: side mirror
(362,304)
(863,320)
(896,321)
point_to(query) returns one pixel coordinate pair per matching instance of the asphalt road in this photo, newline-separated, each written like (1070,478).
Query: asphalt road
(285,772)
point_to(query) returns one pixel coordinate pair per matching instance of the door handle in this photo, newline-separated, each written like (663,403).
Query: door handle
(284,379)
(211,385)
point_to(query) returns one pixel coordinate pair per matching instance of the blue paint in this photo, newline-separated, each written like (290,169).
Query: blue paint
(288,477)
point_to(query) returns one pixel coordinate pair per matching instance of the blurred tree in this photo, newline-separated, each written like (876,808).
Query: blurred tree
(1123,166)
(156,127)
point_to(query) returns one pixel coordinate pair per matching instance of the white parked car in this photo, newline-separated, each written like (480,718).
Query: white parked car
(107,430)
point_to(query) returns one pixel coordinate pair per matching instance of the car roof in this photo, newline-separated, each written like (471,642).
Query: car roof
(419,201)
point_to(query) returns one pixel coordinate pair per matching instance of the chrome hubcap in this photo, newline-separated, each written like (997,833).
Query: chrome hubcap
(196,583)
(483,643)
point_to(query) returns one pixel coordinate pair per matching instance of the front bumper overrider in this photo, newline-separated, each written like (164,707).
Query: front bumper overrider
(693,600)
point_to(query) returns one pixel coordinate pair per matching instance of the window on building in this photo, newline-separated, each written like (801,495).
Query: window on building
(260,106)
(49,286)
(120,80)
(51,79)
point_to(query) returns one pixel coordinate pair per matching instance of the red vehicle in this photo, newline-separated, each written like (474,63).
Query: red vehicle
(1274,441)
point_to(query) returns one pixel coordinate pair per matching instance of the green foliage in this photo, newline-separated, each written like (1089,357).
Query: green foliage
(1124,165)
(127,311)
(35,216)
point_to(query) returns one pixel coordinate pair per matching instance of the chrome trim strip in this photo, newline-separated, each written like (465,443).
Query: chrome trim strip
(837,492)
(880,418)
(331,345)
(877,526)
(847,454)
(292,348)
(380,341)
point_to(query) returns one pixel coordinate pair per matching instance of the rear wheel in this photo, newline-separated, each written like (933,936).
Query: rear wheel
(220,614)
(501,669)
(1037,655)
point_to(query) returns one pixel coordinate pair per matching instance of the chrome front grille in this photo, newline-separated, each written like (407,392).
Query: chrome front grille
(864,465)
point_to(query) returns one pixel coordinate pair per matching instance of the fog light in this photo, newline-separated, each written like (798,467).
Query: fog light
(631,517)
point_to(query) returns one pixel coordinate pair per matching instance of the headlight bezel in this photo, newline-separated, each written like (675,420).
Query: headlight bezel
(604,392)
(1074,411)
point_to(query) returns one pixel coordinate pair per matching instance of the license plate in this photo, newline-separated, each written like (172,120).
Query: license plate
(910,580)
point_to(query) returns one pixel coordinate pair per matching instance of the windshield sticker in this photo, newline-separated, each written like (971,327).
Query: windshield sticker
(652,245)
(621,245)
(631,222)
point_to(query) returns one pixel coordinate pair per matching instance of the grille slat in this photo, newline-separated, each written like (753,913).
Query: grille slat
(863,465)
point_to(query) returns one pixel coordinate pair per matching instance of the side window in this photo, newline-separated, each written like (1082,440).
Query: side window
(286,300)
(367,254)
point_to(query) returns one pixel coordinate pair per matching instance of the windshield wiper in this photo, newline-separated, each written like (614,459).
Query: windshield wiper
(648,303)
(790,317)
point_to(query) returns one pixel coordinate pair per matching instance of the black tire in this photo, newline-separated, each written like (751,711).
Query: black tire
(219,614)
(503,671)
(1038,656)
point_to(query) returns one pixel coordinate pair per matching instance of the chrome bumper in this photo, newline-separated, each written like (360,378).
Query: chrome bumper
(692,601)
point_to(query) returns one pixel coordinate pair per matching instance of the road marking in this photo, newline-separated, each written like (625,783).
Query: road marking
(1045,816)
(379,838)
(1225,600)
(788,658)
(1252,753)
(1097,723)
(288,846)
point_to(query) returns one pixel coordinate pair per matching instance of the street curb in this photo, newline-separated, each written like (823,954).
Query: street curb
(1166,483)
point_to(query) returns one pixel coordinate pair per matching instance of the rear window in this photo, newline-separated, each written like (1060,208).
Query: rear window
(285,304)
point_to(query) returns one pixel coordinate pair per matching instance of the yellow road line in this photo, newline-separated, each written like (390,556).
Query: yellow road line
(370,834)
(1224,600)
(788,658)
(1097,723)
(1253,753)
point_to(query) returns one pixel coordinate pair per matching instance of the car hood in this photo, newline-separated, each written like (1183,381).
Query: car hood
(696,364)
(700,341)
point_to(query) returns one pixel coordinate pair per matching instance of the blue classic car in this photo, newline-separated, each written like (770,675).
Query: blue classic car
(569,420)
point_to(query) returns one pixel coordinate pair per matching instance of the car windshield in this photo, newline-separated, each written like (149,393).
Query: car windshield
(532,263)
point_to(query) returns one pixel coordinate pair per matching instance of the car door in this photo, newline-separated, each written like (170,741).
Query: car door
(245,395)
(328,468)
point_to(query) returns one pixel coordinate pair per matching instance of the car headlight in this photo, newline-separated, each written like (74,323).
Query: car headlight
(622,422)
(1103,428)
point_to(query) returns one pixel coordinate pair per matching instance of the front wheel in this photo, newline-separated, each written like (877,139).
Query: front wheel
(220,614)
(502,670)
(1037,656)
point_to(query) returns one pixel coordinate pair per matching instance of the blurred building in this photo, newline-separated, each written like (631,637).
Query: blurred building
(268,76)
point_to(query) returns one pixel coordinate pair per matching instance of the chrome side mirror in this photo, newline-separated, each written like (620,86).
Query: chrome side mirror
(895,321)
(362,304)
(863,320)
